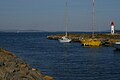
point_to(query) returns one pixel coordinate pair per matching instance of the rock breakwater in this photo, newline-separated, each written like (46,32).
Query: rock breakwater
(78,37)
(13,68)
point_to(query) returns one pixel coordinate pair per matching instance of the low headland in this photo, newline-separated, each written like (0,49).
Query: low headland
(13,68)
(106,39)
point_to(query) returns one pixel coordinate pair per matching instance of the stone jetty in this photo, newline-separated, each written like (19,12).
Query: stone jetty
(105,38)
(13,68)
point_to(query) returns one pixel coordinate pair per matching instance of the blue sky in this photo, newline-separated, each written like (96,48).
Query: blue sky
(48,15)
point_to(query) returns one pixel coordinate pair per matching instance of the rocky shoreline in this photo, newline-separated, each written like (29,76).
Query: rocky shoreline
(13,68)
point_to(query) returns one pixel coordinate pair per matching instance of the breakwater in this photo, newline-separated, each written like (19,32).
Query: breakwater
(13,68)
(78,37)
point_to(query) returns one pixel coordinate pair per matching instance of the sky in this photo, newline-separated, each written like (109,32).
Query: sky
(49,15)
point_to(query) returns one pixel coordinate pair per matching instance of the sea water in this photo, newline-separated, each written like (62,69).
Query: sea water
(63,61)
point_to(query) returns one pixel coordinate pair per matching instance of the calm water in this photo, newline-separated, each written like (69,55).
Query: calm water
(63,61)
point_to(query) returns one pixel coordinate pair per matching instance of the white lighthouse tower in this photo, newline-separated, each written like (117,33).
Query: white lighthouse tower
(112,28)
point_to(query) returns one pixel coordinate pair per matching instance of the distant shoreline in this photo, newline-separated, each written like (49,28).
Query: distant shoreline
(17,31)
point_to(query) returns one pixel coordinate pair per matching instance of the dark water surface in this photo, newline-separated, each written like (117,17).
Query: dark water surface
(63,61)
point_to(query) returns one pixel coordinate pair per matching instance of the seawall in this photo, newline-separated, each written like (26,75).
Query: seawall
(13,68)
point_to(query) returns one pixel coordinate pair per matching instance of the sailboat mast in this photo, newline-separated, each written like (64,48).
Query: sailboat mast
(92,18)
(66,17)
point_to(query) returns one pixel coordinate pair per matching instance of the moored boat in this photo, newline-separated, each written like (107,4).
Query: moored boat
(91,42)
(117,45)
(64,39)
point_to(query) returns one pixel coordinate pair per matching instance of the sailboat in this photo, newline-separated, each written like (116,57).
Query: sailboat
(91,41)
(65,38)
(117,45)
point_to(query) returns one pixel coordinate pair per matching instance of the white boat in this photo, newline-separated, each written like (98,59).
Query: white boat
(117,45)
(65,38)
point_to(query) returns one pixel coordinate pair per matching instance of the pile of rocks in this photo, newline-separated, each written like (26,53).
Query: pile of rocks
(13,68)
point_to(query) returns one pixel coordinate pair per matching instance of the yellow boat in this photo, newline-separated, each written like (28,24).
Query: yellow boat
(91,42)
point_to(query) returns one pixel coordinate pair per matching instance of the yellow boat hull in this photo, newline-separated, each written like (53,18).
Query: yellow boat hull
(91,42)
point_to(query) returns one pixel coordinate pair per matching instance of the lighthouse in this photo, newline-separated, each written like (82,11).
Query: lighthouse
(112,28)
